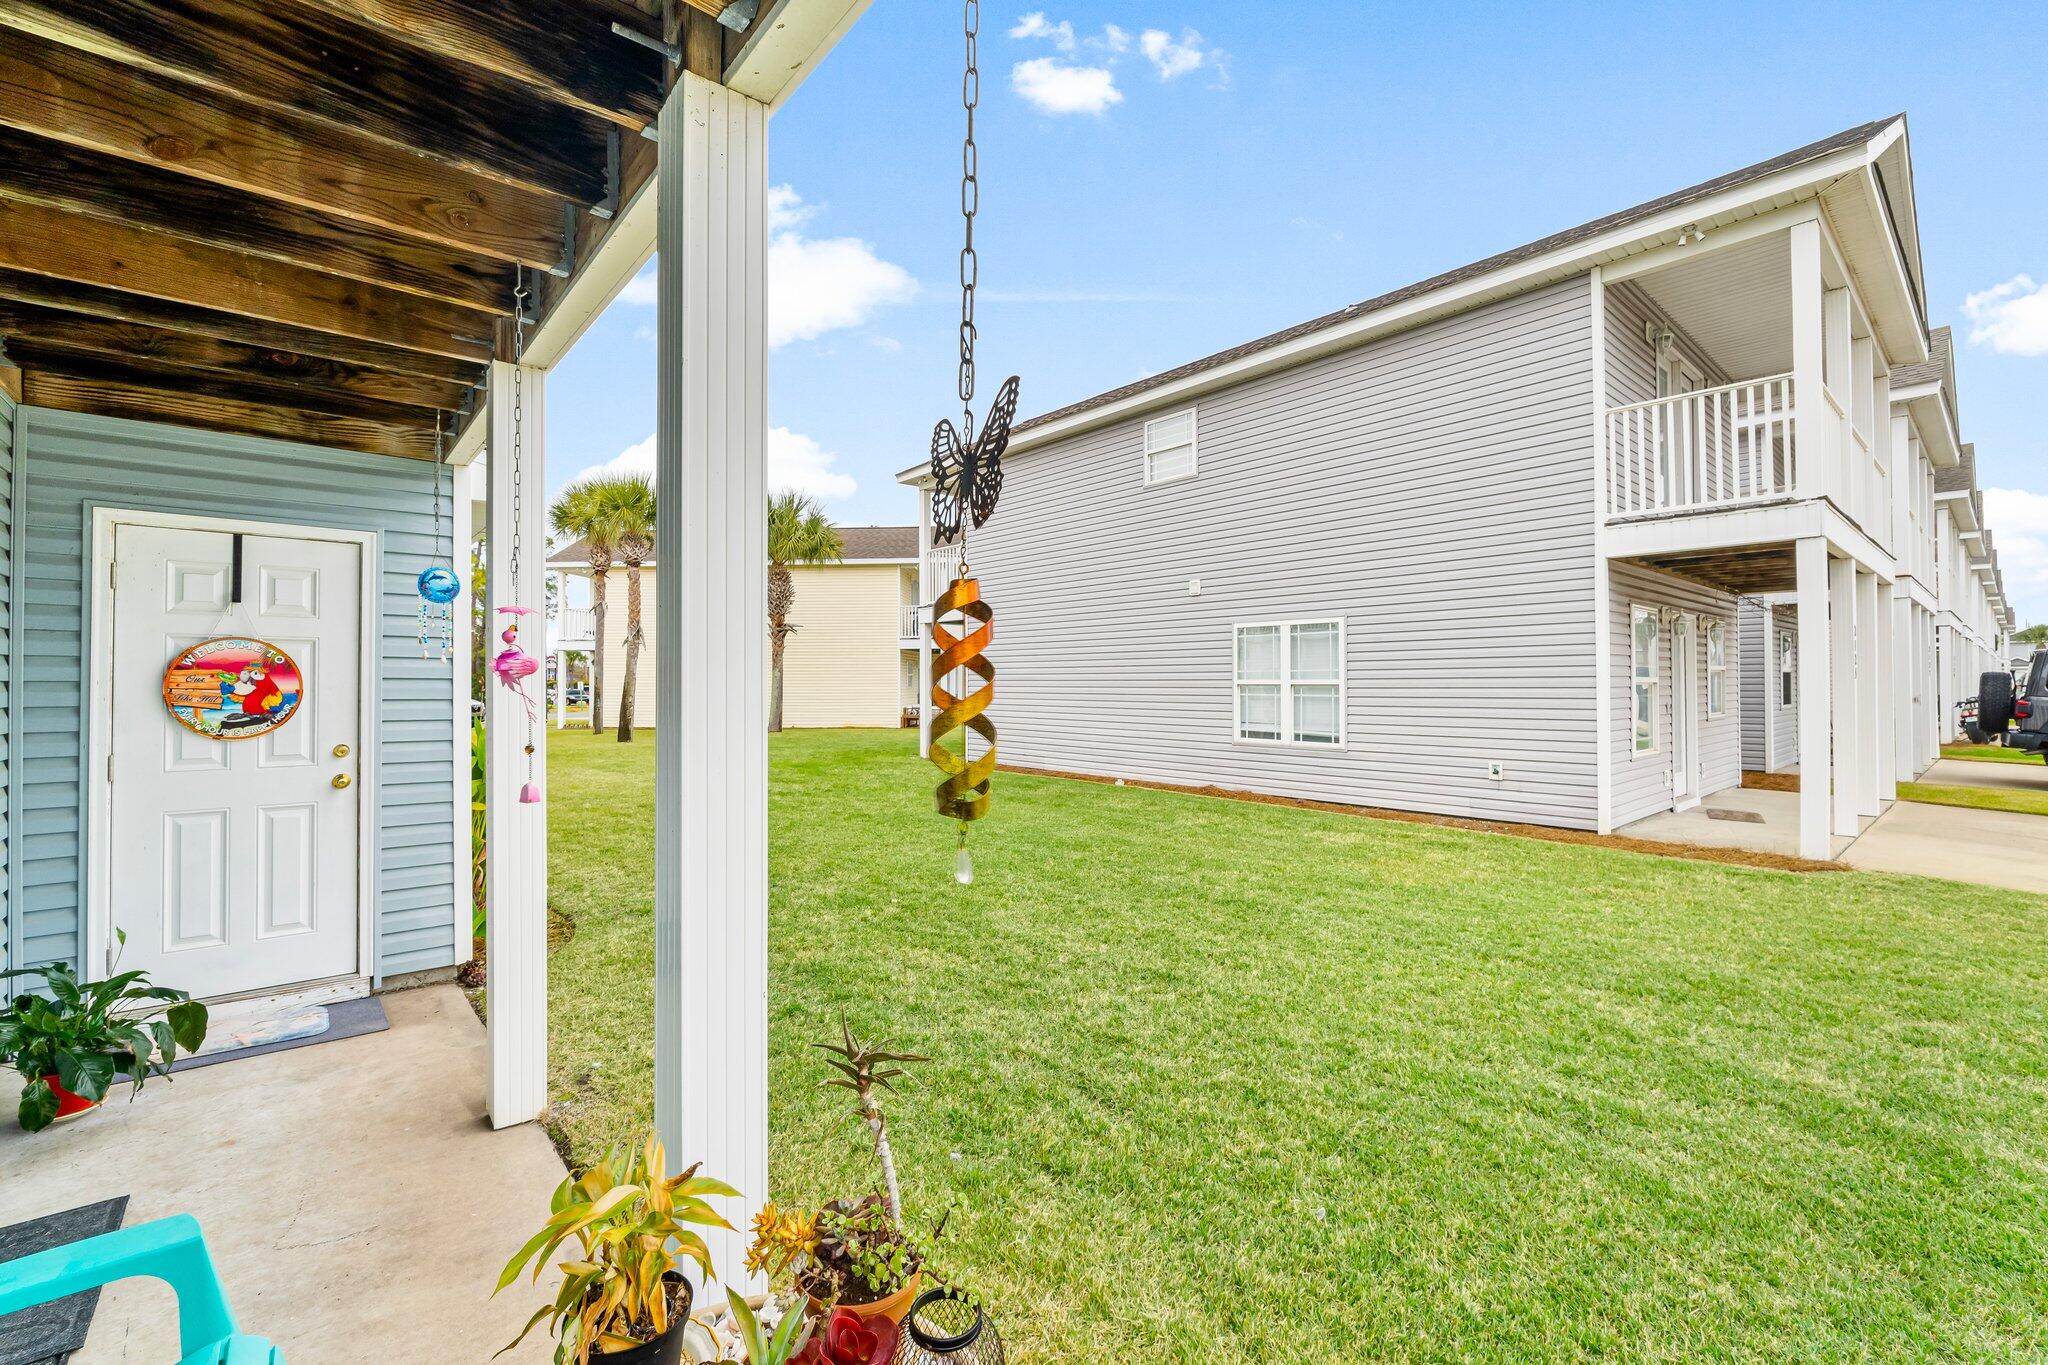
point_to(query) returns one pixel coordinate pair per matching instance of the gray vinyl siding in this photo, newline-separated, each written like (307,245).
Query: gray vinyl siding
(1642,782)
(1761,690)
(8,425)
(78,463)
(1631,361)
(1433,489)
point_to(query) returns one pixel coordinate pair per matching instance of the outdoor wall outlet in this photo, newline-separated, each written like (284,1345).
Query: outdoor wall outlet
(1496,770)
(1194,587)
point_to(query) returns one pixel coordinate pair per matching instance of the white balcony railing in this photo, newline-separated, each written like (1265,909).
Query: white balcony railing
(1700,450)
(910,621)
(941,562)
(575,627)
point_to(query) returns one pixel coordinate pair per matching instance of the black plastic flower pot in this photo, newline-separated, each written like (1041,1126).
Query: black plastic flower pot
(666,1349)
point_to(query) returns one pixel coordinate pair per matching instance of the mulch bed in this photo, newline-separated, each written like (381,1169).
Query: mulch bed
(1737,857)
(1770,782)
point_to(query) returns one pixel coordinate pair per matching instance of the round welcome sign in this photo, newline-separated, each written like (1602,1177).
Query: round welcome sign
(233,688)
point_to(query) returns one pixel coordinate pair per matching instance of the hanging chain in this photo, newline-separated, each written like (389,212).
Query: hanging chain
(970,203)
(439,467)
(518,419)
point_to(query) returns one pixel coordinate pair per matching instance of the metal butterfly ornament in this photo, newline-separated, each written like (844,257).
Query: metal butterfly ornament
(968,478)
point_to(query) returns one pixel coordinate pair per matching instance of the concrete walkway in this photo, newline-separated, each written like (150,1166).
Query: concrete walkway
(1965,772)
(357,1203)
(1990,847)
(1736,817)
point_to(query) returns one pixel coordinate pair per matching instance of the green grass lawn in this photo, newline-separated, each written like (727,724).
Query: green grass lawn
(1988,753)
(1976,798)
(1221,1081)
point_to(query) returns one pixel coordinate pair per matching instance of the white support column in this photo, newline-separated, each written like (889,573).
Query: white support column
(516,834)
(1885,705)
(1904,702)
(711,727)
(1770,692)
(1870,743)
(1810,413)
(1603,573)
(561,688)
(1815,697)
(1848,747)
(926,591)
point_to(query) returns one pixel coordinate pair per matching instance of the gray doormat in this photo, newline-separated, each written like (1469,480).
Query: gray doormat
(233,1035)
(1746,817)
(51,1331)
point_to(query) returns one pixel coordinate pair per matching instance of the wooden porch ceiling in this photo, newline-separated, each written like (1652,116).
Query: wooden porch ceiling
(304,218)
(1749,571)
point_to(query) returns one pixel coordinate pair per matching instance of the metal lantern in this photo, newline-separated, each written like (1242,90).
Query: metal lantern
(945,1328)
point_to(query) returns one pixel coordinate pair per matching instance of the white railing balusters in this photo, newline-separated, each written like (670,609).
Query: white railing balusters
(1704,449)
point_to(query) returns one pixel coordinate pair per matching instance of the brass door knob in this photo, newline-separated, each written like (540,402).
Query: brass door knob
(342,779)
(341,751)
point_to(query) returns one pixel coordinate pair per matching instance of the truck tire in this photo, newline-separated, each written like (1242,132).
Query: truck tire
(1994,702)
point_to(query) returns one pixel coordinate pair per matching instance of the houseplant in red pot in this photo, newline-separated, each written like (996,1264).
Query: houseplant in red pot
(71,1039)
(624,1228)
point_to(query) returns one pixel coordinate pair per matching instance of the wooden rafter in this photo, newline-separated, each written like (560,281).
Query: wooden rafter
(44,241)
(277,54)
(37,170)
(282,339)
(38,328)
(563,48)
(43,357)
(60,93)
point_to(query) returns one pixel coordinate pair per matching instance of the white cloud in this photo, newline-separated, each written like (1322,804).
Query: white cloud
(1169,57)
(882,343)
(2011,317)
(795,462)
(1035,25)
(1053,87)
(2019,528)
(1113,39)
(815,284)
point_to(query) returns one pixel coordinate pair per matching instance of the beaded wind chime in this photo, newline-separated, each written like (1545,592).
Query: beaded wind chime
(438,585)
(513,665)
(967,476)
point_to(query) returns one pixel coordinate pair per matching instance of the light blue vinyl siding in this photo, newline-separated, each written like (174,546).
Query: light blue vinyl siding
(75,464)
(7,430)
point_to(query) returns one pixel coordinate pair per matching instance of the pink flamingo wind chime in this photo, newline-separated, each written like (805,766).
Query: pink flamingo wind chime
(512,664)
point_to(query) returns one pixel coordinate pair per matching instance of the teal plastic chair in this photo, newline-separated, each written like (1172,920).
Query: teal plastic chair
(170,1249)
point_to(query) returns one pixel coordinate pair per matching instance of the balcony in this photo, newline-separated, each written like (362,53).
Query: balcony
(1704,450)
(574,628)
(912,623)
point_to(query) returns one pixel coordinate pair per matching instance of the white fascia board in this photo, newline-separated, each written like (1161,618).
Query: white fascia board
(1757,196)
(787,43)
(1931,418)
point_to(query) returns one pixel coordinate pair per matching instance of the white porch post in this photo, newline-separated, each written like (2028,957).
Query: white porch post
(1848,746)
(515,835)
(926,591)
(1869,734)
(1815,697)
(1770,691)
(561,688)
(1810,414)
(711,727)
(1892,711)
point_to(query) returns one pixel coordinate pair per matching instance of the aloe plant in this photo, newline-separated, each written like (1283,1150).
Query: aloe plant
(81,1032)
(763,1348)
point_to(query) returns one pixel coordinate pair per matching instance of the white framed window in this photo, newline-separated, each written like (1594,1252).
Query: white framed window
(1717,669)
(1642,668)
(1787,667)
(1170,448)
(1289,678)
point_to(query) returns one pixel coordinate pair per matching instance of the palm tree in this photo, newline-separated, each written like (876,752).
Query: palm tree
(629,503)
(579,510)
(797,534)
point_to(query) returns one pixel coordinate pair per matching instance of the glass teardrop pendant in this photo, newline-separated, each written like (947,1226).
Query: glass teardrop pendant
(963,862)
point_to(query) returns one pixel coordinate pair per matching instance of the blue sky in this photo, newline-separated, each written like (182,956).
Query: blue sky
(1164,178)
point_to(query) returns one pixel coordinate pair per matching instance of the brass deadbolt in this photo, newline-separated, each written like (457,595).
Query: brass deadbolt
(342,780)
(341,751)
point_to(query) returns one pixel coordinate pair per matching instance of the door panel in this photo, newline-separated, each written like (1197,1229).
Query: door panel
(233,865)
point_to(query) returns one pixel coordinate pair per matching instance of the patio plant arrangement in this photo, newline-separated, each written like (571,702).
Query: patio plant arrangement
(70,1042)
(627,1225)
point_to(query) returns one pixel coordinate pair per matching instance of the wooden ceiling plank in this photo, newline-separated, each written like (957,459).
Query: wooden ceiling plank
(563,48)
(60,93)
(298,61)
(39,171)
(44,357)
(288,342)
(113,398)
(44,241)
(34,327)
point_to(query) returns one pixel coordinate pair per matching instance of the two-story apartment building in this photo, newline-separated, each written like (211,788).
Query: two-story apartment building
(1478,546)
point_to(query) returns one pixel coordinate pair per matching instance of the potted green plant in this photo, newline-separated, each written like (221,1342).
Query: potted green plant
(623,1296)
(72,1040)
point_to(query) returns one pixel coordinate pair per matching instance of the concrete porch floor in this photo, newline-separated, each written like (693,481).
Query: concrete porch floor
(357,1204)
(1776,832)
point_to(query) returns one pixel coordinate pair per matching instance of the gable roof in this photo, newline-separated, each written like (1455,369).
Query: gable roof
(1813,151)
(1961,477)
(1933,370)
(862,543)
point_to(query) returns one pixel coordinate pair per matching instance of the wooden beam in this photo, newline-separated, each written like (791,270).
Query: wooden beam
(42,357)
(147,400)
(288,341)
(35,328)
(36,170)
(66,246)
(563,48)
(57,92)
(298,61)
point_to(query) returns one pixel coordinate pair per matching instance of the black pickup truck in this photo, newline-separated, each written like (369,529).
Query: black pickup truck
(2016,715)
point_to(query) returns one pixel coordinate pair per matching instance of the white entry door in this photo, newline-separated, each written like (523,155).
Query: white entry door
(1685,712)
(232,864)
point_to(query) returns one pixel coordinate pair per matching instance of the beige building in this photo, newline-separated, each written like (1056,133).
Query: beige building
(852,659)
